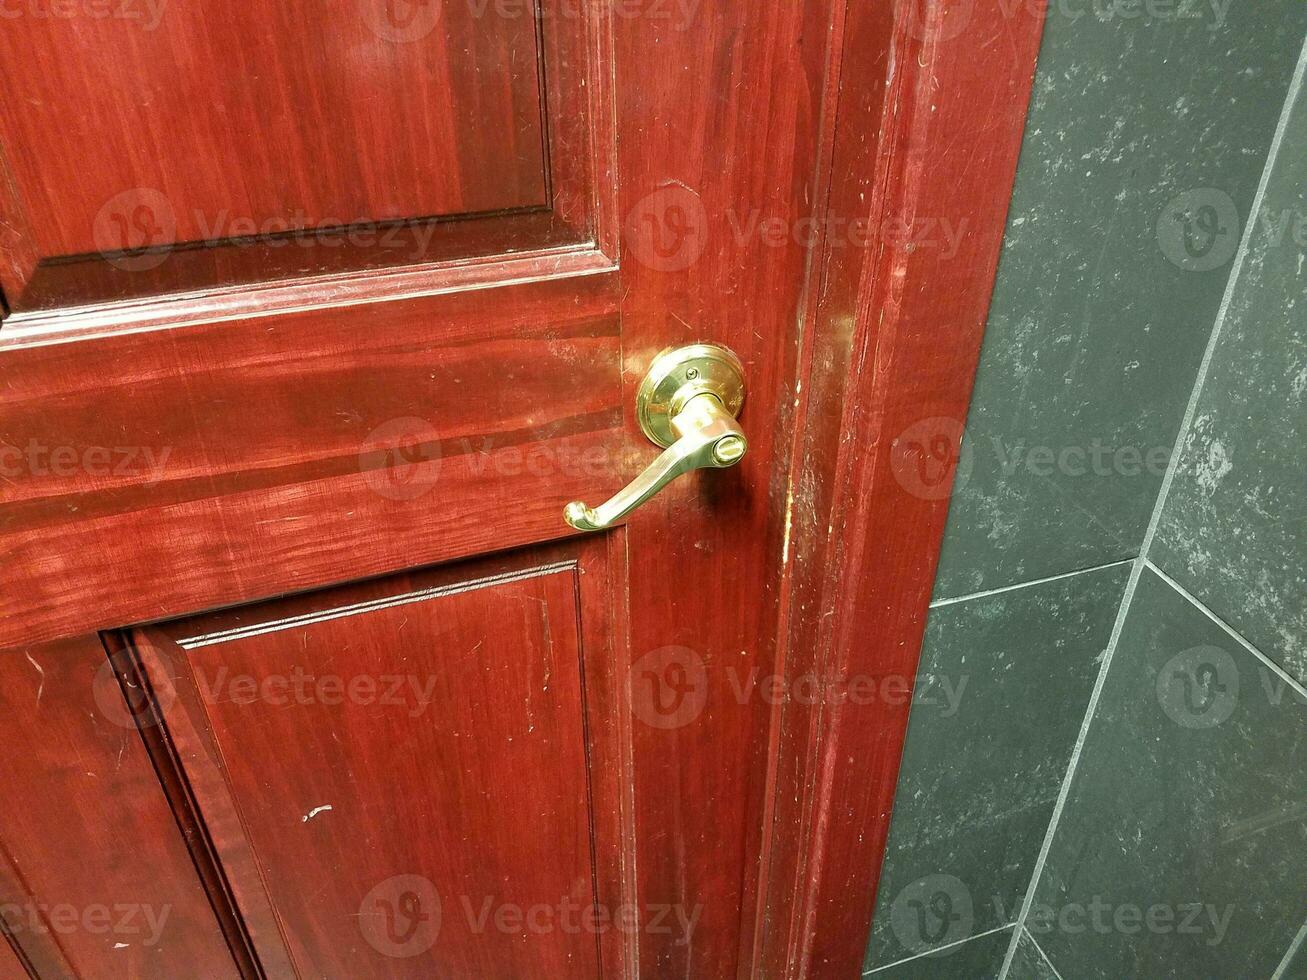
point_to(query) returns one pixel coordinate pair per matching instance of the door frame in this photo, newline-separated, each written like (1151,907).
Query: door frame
(888,360)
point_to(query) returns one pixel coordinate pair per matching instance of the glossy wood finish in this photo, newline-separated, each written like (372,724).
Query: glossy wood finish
(70,293)
(220,463)
(728,146)
(220,88)
(298,142)
(447,760)
(745,130)
(150,312)
(95,878)
(12,966)
(893,350)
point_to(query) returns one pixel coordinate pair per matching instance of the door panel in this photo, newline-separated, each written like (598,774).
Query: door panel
(11,967)
(95,877)
(230,142)
(218,89)
(269,379)
(400,776)
(260,419)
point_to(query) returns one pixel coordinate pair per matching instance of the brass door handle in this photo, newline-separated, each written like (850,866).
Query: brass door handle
(687,402)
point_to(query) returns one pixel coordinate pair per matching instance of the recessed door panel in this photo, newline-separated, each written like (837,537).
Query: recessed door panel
(95,876)
(398,775)
(150,147)
(330,113)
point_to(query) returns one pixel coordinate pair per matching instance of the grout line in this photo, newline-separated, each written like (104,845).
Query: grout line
(938,949)
(1040,949)
(1236,270)
(1186,424)
(1025,585)
(1065,790)
(1299,942)
(1279,671)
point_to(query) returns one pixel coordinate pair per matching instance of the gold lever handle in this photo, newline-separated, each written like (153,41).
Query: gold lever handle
(687,403)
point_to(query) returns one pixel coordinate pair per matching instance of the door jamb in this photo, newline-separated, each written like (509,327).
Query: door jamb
(887,364)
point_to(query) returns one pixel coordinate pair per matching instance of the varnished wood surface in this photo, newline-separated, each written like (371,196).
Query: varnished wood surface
(11,966)
(740,127)
(223,144)
(150,311)
(216,464)
(895,339)
(340,256)
(397,773)
(96,878)
(720,123)
(247,112)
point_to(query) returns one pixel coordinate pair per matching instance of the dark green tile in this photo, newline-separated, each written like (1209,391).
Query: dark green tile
(976,959)
(1296,968)
(1011,677)
(1094,335)
(1029,962)
(1182,850)
(1234,528)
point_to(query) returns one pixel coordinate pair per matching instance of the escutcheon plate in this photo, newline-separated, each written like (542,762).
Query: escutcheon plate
(676,376)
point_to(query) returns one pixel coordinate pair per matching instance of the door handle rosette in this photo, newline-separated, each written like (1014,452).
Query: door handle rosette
(687,403)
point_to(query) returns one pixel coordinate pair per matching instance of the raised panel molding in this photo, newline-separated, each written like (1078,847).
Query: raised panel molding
(393,773)
(95,876)
(385,136)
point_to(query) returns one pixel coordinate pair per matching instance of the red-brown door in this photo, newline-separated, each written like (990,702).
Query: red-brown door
(317,318)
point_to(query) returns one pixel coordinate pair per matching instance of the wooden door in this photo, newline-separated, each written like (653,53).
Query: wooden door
(317,316)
